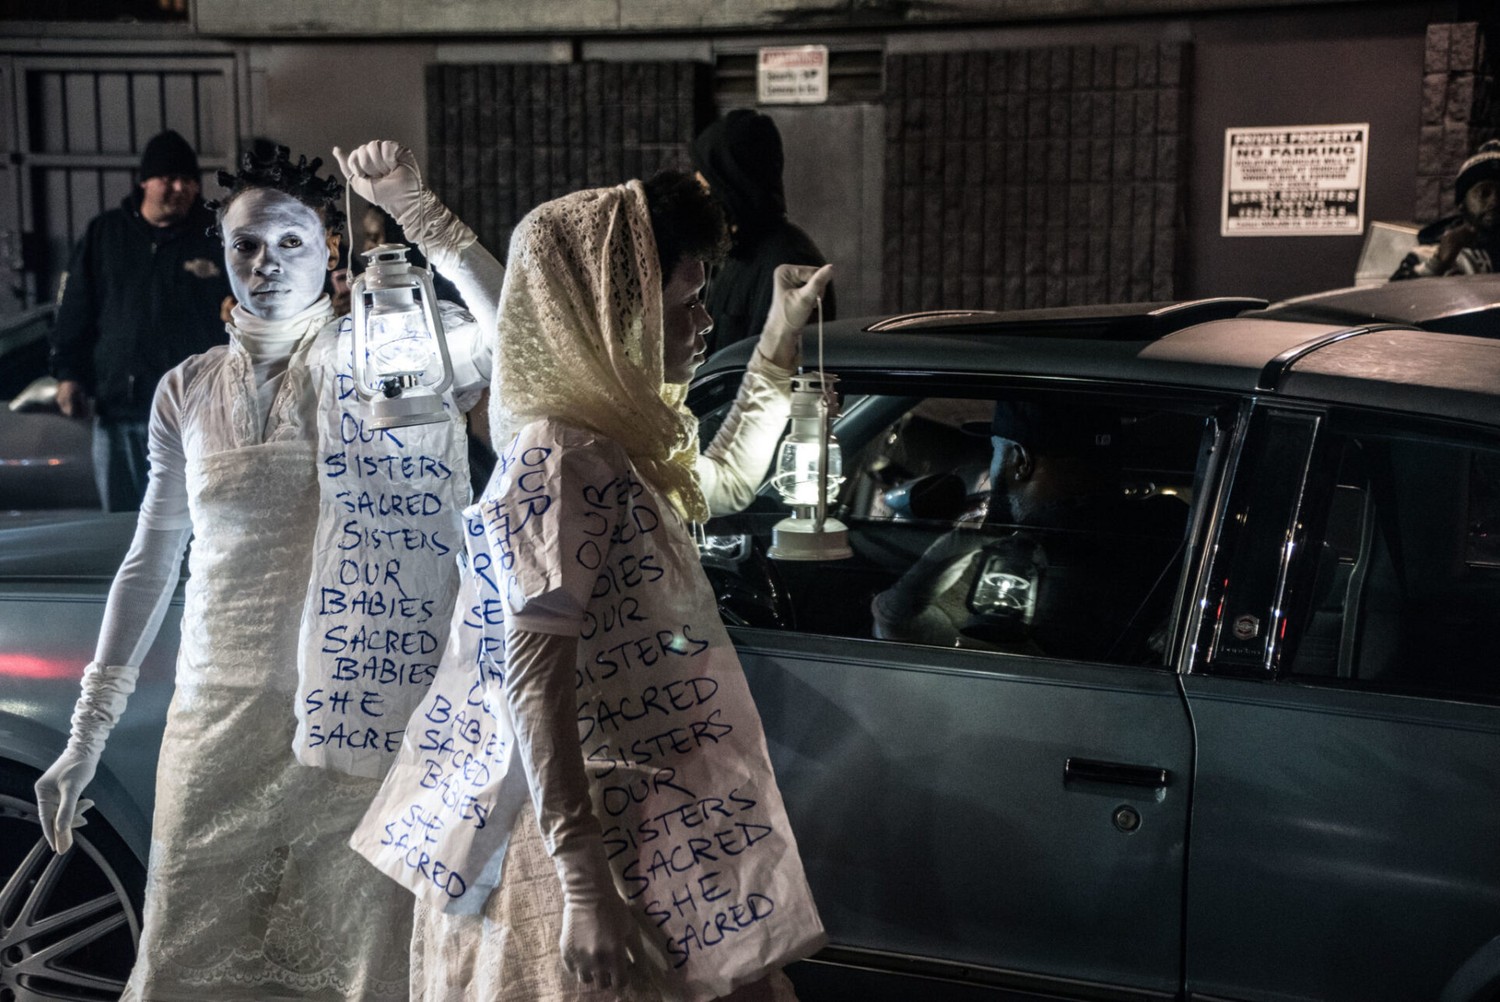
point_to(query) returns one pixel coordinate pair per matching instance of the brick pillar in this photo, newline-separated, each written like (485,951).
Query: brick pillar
(1460,109)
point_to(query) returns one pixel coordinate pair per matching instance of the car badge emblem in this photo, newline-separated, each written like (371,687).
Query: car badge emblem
(1246,627)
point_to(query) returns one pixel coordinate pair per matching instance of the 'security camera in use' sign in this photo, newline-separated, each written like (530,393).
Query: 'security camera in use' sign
(795,74)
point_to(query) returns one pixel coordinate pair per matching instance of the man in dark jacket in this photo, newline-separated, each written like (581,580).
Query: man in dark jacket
(739,158)
(144,290)
(1467,243)
(1062,565)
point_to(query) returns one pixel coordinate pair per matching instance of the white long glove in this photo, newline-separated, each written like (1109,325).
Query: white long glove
(137,602)
(385,173)
(734,465)
(58,792)
(798,287)
(598,935)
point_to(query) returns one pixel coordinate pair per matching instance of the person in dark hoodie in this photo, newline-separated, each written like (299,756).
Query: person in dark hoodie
(144,290)
(739,159)
(1468,242)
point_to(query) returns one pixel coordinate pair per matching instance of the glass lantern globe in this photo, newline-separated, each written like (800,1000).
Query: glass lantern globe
(401,363)
(809,470)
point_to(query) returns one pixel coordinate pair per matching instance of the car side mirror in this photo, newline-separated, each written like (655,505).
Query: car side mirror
(39,396)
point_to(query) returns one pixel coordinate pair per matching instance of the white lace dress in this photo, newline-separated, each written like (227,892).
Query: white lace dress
(252,892)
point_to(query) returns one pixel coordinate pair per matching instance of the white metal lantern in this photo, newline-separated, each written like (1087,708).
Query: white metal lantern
(809,468)
(401,363)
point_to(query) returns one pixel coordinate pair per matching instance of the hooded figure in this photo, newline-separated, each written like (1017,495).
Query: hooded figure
(739,157)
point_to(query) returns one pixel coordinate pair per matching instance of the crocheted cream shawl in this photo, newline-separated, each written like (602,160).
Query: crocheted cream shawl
(580,337)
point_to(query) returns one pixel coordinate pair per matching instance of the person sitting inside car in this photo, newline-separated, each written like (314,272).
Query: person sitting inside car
(1062,565)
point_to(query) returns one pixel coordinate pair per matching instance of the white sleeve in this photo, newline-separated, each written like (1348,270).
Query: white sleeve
(478,276)
(468,350)
(165,505)
(734,465)
(143,585)
(140,594)
(1427,266)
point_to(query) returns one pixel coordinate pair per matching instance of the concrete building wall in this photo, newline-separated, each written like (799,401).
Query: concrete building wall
(1278,65)
(303,18)
(1317,68)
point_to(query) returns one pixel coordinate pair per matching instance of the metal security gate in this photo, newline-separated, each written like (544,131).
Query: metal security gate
(1052,176)
(504,137)
(80,125)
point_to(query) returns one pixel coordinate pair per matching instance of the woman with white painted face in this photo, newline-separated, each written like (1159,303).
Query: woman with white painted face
(252,892)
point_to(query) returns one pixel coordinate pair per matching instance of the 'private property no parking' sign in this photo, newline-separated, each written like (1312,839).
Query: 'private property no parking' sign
(1294,180)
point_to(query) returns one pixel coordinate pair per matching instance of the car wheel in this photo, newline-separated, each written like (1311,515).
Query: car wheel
(69,924)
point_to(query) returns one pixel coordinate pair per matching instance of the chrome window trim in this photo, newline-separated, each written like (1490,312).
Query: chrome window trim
(979,975)
(1257,409)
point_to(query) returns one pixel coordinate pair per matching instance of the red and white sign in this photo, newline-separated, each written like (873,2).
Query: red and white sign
(795,74)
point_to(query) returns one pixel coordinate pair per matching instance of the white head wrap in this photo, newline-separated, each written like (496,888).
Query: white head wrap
(580,337)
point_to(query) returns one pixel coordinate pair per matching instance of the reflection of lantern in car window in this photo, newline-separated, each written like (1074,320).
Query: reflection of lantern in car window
(401,364)
(998,590)
(1002,598)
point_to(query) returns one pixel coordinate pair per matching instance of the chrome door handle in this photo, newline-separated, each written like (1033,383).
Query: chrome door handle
(1088,770)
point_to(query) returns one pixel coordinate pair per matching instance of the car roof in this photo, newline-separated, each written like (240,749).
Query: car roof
(1376,364)
(1458,304)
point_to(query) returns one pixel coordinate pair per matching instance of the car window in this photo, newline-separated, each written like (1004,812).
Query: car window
(1077,558)
(1402,566)
(1382,535)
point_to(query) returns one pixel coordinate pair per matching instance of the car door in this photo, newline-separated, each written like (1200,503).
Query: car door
(1004,822)
(1346,703)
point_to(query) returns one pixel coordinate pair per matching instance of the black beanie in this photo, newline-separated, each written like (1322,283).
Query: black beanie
(169,155)
(1483,165)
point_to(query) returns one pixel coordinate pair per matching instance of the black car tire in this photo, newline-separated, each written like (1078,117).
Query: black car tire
(69,924)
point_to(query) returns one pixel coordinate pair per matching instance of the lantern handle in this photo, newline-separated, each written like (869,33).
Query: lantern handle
(824,422)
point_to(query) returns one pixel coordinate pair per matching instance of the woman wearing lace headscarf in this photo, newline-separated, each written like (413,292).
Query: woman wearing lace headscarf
(584,805)
(251,891)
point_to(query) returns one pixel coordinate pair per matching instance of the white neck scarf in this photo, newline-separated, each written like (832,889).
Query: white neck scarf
(269,341)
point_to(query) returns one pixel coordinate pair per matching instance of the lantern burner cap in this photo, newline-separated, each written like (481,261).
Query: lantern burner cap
(386,254)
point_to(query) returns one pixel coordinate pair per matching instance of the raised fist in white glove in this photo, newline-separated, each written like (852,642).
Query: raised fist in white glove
(385,173)
(104,693)
(798,288)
